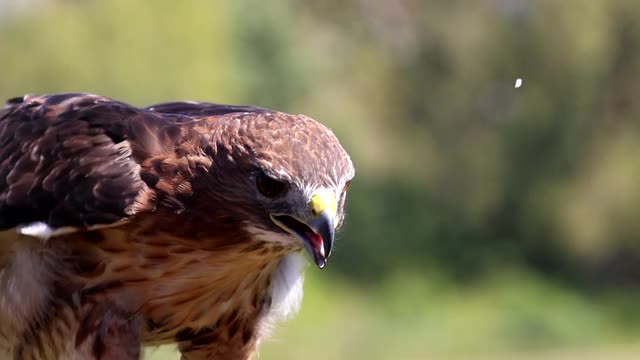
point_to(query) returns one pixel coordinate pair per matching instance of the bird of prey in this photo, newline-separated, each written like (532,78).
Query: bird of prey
(182,222)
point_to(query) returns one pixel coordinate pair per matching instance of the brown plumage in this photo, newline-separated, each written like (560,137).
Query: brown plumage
(177,223)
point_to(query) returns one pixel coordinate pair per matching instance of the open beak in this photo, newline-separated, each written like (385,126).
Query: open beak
(318,233)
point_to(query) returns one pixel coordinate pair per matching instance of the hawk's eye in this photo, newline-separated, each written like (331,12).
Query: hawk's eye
(269,186)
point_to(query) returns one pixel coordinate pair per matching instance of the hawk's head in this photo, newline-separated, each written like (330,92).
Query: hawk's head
(284,177)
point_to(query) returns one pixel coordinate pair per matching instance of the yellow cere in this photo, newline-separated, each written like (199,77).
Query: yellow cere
(323,201)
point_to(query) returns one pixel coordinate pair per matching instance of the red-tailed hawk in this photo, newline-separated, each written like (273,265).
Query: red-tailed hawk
(178,223)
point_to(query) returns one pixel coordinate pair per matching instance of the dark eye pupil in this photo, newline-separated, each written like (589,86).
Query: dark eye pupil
(269,186)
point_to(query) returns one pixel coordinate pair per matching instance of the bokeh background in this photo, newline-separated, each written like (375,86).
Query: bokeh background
(485,221)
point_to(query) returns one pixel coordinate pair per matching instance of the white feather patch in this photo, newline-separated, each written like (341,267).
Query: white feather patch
(42,230)
(286,288)
(287,280)
(286,284)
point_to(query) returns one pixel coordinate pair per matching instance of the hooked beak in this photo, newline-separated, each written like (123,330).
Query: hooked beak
(318,233)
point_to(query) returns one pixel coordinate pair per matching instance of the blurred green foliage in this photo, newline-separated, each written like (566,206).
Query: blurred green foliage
(483,218)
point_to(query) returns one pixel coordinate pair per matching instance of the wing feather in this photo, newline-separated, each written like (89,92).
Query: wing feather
(202,109)
(74,160)
(68,160)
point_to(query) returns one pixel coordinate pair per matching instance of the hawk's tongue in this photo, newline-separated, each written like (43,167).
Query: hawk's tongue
(316,243)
